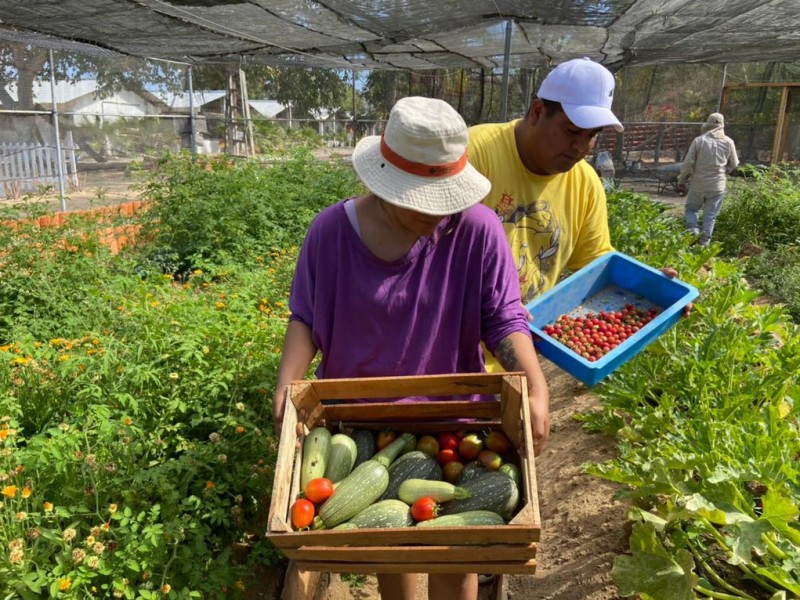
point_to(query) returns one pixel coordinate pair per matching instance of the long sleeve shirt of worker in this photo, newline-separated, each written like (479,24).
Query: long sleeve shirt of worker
(710,157)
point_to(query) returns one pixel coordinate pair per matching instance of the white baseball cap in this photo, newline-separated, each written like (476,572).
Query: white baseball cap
(585,89)
(420,161)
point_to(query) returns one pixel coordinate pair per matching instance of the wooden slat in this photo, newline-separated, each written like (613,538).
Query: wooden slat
(530,487)
(378,411)
(416,554)
(528,568)
(303,396)
(511,411)
(417,427)
(284,465)
(399,387)
(455,536)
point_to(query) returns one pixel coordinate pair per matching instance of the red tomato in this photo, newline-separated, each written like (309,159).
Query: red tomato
(470,446)
(318,490)
(447,455)
(451,471)
(490,459)
(385,437)
(424,509)
(448,441)
(498,441)
(302,513)
(428,444)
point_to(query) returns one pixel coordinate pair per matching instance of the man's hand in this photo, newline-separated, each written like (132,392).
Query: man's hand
(672,273)
(681,188)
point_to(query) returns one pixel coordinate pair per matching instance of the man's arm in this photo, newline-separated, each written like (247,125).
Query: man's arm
(688,163)
(298,352)
(733,158)
(515,352)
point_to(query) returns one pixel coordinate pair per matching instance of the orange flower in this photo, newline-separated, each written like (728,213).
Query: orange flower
(210,484)
(63,584)
(166,588)
(10,491)
(26,492)
(48,506)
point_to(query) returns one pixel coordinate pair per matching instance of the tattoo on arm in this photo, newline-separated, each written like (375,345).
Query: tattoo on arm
(506,356)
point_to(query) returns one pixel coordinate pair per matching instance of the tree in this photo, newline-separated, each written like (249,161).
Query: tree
(308,88)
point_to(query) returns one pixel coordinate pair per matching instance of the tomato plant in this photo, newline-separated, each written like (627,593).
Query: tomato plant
(302,513)
(424,509)
(470,446)
(428,444)
(318,490)
(385,437)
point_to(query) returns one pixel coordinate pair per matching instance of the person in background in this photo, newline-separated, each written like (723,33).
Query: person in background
(711,156)
(605,165)
(410,279)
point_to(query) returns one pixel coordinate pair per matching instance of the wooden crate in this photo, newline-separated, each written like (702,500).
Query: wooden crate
(509,548)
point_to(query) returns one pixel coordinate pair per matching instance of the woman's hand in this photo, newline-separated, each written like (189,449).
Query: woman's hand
(540,420)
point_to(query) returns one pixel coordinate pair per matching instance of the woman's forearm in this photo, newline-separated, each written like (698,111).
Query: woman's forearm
(298,352)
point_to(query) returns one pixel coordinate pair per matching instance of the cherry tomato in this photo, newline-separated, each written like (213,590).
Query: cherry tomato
(302,513)
(448,441)
(385,437)
(498,441)
(470,446)
(451,471)
(424,509)
(318,490)
(447,455)
(490,459)
(428,444)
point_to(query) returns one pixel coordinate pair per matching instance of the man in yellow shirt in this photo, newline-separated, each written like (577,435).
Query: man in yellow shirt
(549,199)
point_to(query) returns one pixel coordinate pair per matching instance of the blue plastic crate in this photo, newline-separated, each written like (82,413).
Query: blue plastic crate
(607,284)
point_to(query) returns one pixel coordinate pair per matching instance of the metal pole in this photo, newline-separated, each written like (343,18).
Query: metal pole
(722,87)
(506,57)
(192,131)
(60,168)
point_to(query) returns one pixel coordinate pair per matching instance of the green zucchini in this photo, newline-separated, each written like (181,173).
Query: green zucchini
(471,471)
(342,457)
(386,513)
(415,464)
(346,525)
(392,451)
(494,491)
(365,445)
(365,484)
(512,471)
(316,448)
(465,519)
(412,490)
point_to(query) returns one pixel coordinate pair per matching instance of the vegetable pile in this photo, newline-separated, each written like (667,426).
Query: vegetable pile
(594,335)
(363,480)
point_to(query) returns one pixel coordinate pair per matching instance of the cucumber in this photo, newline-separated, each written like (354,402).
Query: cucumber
(342,457)
(392,451)
(415,464)
(412,490)
(512,471)
(494,491)
(365,484)
(316,448)
(471,517)
(386,513)
(365,445)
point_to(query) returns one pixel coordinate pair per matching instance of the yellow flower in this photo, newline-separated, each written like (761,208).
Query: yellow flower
(154,303)
(21,515)
(26,492)
(173,376)
(112,508)
(48,506)
(239,429)
(63,584)
(220,305)
(3,434)
(166,588)
(20,360)
(127,421)
(10,491)
(240,586)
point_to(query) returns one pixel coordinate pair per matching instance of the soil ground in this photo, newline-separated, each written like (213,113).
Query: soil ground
(583,528)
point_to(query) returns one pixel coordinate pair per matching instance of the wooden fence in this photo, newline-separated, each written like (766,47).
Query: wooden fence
(26,167)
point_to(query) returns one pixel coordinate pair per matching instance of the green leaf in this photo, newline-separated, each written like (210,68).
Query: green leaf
(652,571)
(747,540)
(716,513)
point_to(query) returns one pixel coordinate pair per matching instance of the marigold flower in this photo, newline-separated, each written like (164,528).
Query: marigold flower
(89,540)
(69,534)
(21,515)
(239,429)
(93,562)
(214,437)
(3,434)
(173,376)
(34,533)
(240,586)
(98,548)
(78,555)
(26,492)
(210,484)
(10,491)
(127,421)
(16,544)
(222,458)
(16,557)
(112,508)
(240,406)
(166,588)
(63,584)
(63,426)
(48,507)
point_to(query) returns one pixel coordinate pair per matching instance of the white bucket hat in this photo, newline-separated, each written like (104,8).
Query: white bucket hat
(420,161)
(585,89)
(714,121)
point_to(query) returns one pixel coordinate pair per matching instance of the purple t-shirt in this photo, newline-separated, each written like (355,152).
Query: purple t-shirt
(423,314)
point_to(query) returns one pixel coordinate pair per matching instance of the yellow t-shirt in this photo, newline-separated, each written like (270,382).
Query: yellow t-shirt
(553,223)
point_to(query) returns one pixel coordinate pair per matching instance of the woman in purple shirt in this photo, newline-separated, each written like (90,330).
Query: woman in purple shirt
(409,279)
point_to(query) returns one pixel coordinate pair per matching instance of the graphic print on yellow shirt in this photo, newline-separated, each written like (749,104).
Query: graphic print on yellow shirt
(533,233)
